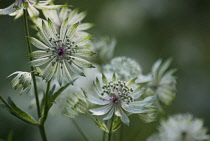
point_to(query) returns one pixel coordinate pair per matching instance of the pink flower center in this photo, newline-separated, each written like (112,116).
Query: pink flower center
(114,99)
(60,51)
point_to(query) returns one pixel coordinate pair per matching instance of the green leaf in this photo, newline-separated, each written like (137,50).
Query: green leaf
(16,111)
(56,94)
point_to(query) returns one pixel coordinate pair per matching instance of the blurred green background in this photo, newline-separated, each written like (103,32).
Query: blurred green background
(146,30)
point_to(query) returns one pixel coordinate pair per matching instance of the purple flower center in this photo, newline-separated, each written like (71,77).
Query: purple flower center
(114,99)
(60,51)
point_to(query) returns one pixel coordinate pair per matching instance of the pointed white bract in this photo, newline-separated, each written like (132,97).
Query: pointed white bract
(125,68)
(163,81)
(181,127)
(57,16)
(104,47)
(76,105)
(119,98)
(22,79)
(61,51)
(16,9)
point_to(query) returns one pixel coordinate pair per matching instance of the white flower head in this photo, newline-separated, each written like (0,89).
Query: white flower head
(182,127)
(16,9)
(125,68)
(163,81)
(62,51)
(23,79)
(104,47)
(57,16)
(119,98)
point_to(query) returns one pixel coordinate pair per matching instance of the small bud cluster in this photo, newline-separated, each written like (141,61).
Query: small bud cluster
(118,91)
(23,79)
(76,106)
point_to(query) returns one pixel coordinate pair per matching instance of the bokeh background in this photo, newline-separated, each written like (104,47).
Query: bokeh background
(146,30)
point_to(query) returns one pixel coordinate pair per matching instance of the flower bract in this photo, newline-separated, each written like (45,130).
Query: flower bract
(22,79)
(16,9)
(62,51)
(104,47)
(119,98)
(57,16)
(163,81)
(125,68)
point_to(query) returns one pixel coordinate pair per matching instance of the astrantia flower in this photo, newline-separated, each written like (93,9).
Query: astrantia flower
(16,9)
(105,49)
(23,79)
(118,98)
(163,82)
(125,68)
(61,51)
(182,127)
(57,16)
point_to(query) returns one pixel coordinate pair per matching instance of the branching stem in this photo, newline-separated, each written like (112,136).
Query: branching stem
(41,127)
(110,129)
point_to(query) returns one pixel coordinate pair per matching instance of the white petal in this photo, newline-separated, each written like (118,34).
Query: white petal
(98,101)
(102,110)
(39,62)
(110,114)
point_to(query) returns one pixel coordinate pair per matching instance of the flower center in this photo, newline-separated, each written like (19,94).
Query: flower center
(60,51)
(114,99)
(118,92)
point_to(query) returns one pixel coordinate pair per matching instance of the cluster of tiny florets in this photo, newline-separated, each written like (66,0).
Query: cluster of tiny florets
(118,92)
(62,50)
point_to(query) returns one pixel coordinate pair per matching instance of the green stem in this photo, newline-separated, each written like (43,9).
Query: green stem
(110,129)
(92,117)
(32,69)
(80,130)
(104,133)
(46,108)
(42,132)
(41,127)
(121,133)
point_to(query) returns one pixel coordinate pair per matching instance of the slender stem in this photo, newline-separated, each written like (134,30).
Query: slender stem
(41,127)
(92,117)
(121,133)
(42,132)
(110,129)
(104,133)
(46,108)
(32,69)
(80,130)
